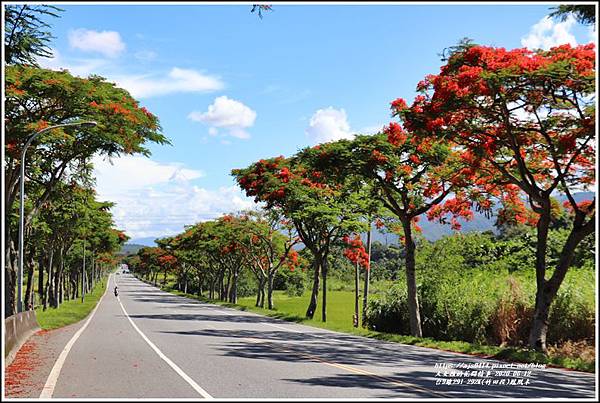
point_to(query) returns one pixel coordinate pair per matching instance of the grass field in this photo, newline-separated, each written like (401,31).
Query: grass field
(70,311)
(340,308)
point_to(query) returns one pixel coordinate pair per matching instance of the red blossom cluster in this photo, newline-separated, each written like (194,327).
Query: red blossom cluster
(230,248)
(395,134)
(457,207)
(292,261)
(398,105)
(585,206)
(378,158)
(355,252)
(514,209)
(121,235)
(118,109)
(167,260)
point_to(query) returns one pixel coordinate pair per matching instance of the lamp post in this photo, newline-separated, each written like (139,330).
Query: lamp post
(22,201)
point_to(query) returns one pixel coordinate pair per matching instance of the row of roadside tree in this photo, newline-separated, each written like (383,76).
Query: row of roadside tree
(70,236)
(496,131)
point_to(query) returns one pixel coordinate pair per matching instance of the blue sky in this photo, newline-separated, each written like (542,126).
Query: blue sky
(230,88)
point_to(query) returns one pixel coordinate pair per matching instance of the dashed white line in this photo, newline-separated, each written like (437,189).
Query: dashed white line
(166,359)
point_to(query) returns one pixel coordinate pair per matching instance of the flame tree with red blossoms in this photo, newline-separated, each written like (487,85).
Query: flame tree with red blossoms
(37,98)
(267,242)
(526,121)
(409,177)
(152,261)
(321,212)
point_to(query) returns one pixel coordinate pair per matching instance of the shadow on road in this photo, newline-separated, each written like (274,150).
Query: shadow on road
(418,364)
(298,347)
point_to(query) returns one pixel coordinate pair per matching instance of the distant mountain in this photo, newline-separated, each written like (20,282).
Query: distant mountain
(131,249)
(579,197)
(433,231)
(147,241)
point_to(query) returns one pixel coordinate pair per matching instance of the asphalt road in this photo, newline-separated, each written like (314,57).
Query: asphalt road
(150,344)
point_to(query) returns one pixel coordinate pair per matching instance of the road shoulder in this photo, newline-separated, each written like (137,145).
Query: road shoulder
(26,375)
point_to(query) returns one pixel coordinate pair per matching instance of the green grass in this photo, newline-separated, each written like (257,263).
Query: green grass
(70,311)
(340,308)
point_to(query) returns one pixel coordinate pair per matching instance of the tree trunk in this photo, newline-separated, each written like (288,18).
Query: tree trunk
(93,271)
(83,275)
(29,290)
(312,305)
(260,291)
(41,269)
(48,288)
(546,293)
(233,291)
(270,279)
(356,295)
(537,335)
(367,279)
(74,287)
(58,283)
(225,290)
(10,269)
(324,274)
(411,282)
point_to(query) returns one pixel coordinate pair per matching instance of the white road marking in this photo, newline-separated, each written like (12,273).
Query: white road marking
(284,328)
(50,384)
(166,359)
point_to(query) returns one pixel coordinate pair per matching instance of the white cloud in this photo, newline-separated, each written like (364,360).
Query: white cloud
(108,43)
(165,211)
(371,129)
(593,35)
(328,124)
(157,199)
(145,55)
(548,33)
(78,67)
(132,172)
(178,80)
(229,114)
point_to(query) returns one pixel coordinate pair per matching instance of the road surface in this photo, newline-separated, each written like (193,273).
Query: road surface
(151,344)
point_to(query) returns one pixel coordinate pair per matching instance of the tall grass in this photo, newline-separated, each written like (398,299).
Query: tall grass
(483,306)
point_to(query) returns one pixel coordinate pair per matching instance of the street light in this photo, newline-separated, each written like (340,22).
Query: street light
(22,198)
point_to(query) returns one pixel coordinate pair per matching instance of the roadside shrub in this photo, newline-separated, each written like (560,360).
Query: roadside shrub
(511,320)
(389,311)
(292,282)
(571,316)
(486,306)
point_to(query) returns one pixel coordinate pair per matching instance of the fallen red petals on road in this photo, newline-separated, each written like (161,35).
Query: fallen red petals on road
(17,374)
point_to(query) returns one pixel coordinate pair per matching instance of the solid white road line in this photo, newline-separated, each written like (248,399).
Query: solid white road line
(50,384)
(166,359)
